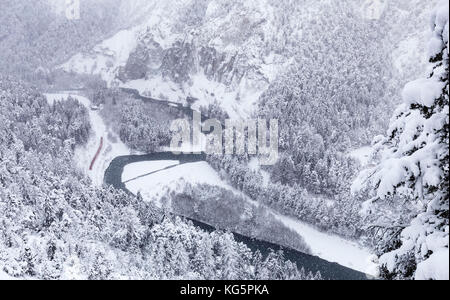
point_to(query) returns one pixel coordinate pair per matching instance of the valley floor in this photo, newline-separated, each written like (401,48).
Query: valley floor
(153,179)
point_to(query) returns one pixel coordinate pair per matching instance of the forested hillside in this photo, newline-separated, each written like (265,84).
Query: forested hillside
(56,226)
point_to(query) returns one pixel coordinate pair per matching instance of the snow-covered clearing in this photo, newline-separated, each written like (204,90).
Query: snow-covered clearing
(139,169)
(105,58)
(112,146)
(157,184)
(329,247)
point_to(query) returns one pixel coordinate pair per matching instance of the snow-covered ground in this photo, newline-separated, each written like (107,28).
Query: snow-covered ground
(363,155)
(237,103)
(329,247)
(112,146)
(333,248)
(139,169)
(106,58)
(4,276)
(157,184)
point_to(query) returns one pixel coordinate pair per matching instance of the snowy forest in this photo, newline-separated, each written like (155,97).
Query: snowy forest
(91,187)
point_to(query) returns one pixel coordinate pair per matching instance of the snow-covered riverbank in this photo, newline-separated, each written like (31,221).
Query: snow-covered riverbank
(334,248)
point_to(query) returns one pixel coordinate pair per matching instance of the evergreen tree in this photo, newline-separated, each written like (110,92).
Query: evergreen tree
(415,166)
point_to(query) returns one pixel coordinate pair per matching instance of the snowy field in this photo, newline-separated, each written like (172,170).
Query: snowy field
(157,184)
(112,146)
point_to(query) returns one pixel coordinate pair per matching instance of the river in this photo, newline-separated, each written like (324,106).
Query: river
(329,271)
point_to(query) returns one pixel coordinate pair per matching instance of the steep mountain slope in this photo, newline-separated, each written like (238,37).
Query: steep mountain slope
(213,50)
(35,35)
(210,49)
(230,51)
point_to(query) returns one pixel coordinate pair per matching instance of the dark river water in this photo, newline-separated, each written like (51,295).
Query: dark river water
(329,271)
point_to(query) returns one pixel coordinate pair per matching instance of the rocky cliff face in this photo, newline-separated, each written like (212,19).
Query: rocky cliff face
(136,66)
(178,62)
(221,67)
(234,45)
(183,60)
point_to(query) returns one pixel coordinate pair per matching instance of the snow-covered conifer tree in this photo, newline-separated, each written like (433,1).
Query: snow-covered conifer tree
(414,165)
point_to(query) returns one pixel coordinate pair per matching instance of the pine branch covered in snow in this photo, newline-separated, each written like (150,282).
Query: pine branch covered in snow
(415,166)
